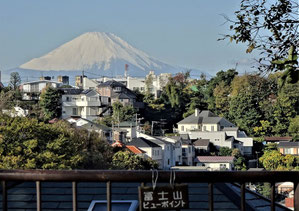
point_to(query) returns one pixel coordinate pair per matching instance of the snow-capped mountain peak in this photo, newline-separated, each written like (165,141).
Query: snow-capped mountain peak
(97,51)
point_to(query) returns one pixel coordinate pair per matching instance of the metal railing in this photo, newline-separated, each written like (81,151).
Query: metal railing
(110,176)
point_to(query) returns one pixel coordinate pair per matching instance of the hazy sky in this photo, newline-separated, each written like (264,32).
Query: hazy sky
(179,32)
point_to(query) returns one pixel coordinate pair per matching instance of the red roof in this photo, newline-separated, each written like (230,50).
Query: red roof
(117,144)
(214,159)
(53,120)
(135,149)
(285,138)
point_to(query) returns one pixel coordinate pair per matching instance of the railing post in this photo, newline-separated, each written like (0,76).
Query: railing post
(74,188)
(139,195)
(243,204)
(38,196)
(211,196)
(296,196)
(273,196)
(108,187)
(4,196)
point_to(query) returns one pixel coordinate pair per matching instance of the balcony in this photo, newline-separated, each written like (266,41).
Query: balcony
(74,190)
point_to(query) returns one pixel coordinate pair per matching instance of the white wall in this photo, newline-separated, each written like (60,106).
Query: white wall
(215,166)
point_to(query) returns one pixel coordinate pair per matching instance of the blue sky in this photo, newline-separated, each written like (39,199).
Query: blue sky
(181,32)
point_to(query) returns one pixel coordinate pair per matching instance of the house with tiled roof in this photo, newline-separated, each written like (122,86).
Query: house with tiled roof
(219,131)
(32,90)
(82,103)
(102,130)
(135,150)
(151,149)
(202,145)
(168,159)
(215,163)
(113,91)
(289,148)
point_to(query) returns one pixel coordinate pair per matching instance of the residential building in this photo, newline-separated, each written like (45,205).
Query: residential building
(177,149)
(215,163)
(187,149)
(102,130)
(218,130)
(130,127)
(202,146)
(152,149)
(63,79)
(82,103)
(167,149)
(289,148)
(113,91)
(277,139)
(32,90)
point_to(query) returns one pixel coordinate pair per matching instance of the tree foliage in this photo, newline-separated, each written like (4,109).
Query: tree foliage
(28,144)
(50,103)
(122,113)
(129,161)
(271,27)
(15,80)
(274,160)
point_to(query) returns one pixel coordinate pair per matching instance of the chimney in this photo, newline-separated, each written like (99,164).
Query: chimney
(197,112)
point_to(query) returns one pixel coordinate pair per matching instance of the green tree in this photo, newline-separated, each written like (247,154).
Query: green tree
(294,128)
(28,144)
(50,103)
(225,151)
(122,113)
(269,27)
(15,80)
(221,94)
(226,77)
(129,161)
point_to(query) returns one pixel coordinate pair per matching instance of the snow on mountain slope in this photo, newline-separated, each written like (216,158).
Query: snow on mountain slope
(98,52)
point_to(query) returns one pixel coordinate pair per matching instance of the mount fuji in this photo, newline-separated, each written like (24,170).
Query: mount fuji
(97,53)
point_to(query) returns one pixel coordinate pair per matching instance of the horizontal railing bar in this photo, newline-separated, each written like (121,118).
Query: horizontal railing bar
(146,176)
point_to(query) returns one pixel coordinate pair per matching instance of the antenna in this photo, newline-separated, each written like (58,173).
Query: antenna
(126,70)
(236,66)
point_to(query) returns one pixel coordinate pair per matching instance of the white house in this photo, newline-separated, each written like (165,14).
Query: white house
(215,163)
(168,159)
(32,90)
(187,149)
(151,149)
(219,131)
(83,103)
(177,152)
(102,130)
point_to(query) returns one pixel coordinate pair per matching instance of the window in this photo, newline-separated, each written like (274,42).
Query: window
(212,128)
(168,162)
(75,111)
(217,139)
(287,150)
(204,128)
(189,149)
(68,99)
(182,128)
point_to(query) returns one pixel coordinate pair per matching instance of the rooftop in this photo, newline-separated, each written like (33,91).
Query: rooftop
(142,142)
(202,142)
(214,159)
